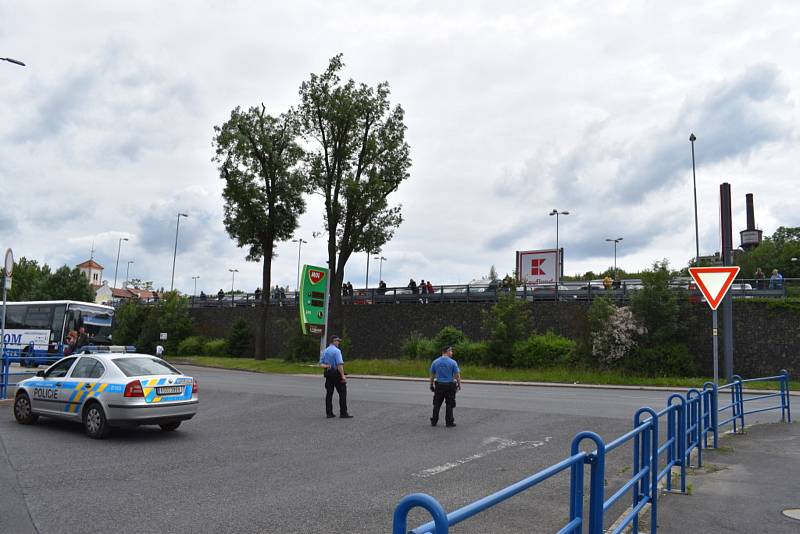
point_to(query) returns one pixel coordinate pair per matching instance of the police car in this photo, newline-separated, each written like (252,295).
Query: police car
(108,390)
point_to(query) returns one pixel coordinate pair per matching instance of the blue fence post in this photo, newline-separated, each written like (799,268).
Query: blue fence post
(649,459)
(738,401)
(597,463)
(695,406)
(576,492)
(786,412)
(400,517)
(712,387)
(4,373)
(681,436)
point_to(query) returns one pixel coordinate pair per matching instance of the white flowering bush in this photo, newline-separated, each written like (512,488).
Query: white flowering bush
(616,337)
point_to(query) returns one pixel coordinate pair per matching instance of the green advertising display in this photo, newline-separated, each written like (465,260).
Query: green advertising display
(313,299)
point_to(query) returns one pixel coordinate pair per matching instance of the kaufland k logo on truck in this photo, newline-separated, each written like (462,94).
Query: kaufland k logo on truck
(315,276)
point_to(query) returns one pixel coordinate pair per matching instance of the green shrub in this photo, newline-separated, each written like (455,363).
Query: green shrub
(667,359)
(191,346)
(449,335)
(505,323)
(470,352)
(417,347)
(216,347)
(300,347)
(546,350)
(149,333)
(239,338)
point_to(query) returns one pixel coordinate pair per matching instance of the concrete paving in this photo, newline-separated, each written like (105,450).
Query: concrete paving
(743,487)
(261,457)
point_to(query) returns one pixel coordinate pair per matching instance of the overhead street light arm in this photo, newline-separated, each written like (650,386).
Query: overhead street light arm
(12,60)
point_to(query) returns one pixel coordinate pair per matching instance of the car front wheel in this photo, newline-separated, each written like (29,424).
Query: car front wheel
(22,410)
(94,422)
(169,427)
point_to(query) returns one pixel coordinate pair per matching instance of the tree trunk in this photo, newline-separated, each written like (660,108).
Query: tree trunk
(266,280)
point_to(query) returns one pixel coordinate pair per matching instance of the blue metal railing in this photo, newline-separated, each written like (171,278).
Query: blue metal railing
(25,357)
(688,419)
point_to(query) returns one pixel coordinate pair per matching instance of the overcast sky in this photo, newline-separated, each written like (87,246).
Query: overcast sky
(512,108)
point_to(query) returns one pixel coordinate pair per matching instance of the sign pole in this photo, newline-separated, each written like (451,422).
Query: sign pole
(9,270)
(715,337)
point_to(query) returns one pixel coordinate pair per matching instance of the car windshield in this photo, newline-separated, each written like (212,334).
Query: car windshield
(144,366)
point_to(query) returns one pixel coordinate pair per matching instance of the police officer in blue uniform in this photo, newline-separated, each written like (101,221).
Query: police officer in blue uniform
(331,360)
(445,381)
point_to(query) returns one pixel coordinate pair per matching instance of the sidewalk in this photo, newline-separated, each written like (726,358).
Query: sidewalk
(742,487)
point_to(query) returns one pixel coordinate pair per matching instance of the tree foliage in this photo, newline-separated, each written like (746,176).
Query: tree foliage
(504,324)
(35,282)
(257,156)
(358,157)
(775,252)
(656,305)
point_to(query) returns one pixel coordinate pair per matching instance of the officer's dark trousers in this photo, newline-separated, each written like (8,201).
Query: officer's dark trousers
(333,380)
(444,393)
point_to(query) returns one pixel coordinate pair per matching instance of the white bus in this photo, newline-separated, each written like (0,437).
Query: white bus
(44,325)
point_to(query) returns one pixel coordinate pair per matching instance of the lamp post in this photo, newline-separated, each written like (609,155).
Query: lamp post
(380,267)
(195,285)
(127,272)
(299,242)
(175,251)
(233,278)
(116,268)
(366,281)
(615,241)
(12,60)
(692,139)
(559,267)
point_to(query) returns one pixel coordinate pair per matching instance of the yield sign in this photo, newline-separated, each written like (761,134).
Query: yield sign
(714,282)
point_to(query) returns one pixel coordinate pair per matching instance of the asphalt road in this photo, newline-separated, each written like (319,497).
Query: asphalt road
(261,457)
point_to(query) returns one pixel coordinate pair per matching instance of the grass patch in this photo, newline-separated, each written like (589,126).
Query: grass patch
(420,368)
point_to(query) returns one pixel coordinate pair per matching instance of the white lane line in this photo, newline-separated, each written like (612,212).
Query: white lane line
(499,445)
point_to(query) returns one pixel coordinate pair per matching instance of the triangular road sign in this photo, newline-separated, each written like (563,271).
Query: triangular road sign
(714,282)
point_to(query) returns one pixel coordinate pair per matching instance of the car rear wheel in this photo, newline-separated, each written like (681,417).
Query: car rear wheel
(22,410)
(169,427)
(94,421)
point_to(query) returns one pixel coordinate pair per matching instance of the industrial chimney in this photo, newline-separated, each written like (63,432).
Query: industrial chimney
(751,237)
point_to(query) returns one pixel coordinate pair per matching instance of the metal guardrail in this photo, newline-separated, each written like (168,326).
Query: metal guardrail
(565,291)
(689,420)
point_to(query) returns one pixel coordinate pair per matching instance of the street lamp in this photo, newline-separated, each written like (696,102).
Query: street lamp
(615,241)
(380,268)
(299,242)
(692,139)
(127,272)
(11,60)
(559,267)
(116,268)
(175,251)
(233,277)
(195,285)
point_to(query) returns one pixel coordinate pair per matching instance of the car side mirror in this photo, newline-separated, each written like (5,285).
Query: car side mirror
(40,373)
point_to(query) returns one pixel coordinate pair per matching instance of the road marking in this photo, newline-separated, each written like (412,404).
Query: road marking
(500,444)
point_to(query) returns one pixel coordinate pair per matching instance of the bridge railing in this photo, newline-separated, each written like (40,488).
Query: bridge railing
(687,422)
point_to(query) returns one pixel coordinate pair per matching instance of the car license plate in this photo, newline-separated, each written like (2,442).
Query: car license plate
(169,390)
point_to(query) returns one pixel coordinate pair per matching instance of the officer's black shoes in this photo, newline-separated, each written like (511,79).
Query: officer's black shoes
(346,416)
(433,421)
(450,425)
(330,415)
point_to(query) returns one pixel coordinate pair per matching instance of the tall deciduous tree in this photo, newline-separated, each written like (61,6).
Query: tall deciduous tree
(359,157)
(257,156)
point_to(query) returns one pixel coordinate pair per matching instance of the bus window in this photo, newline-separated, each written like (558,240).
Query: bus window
(39,316)
(15,316)
(57,333)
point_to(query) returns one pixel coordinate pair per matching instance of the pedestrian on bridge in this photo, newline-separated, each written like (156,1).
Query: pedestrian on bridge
(445,381)
(333,363)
